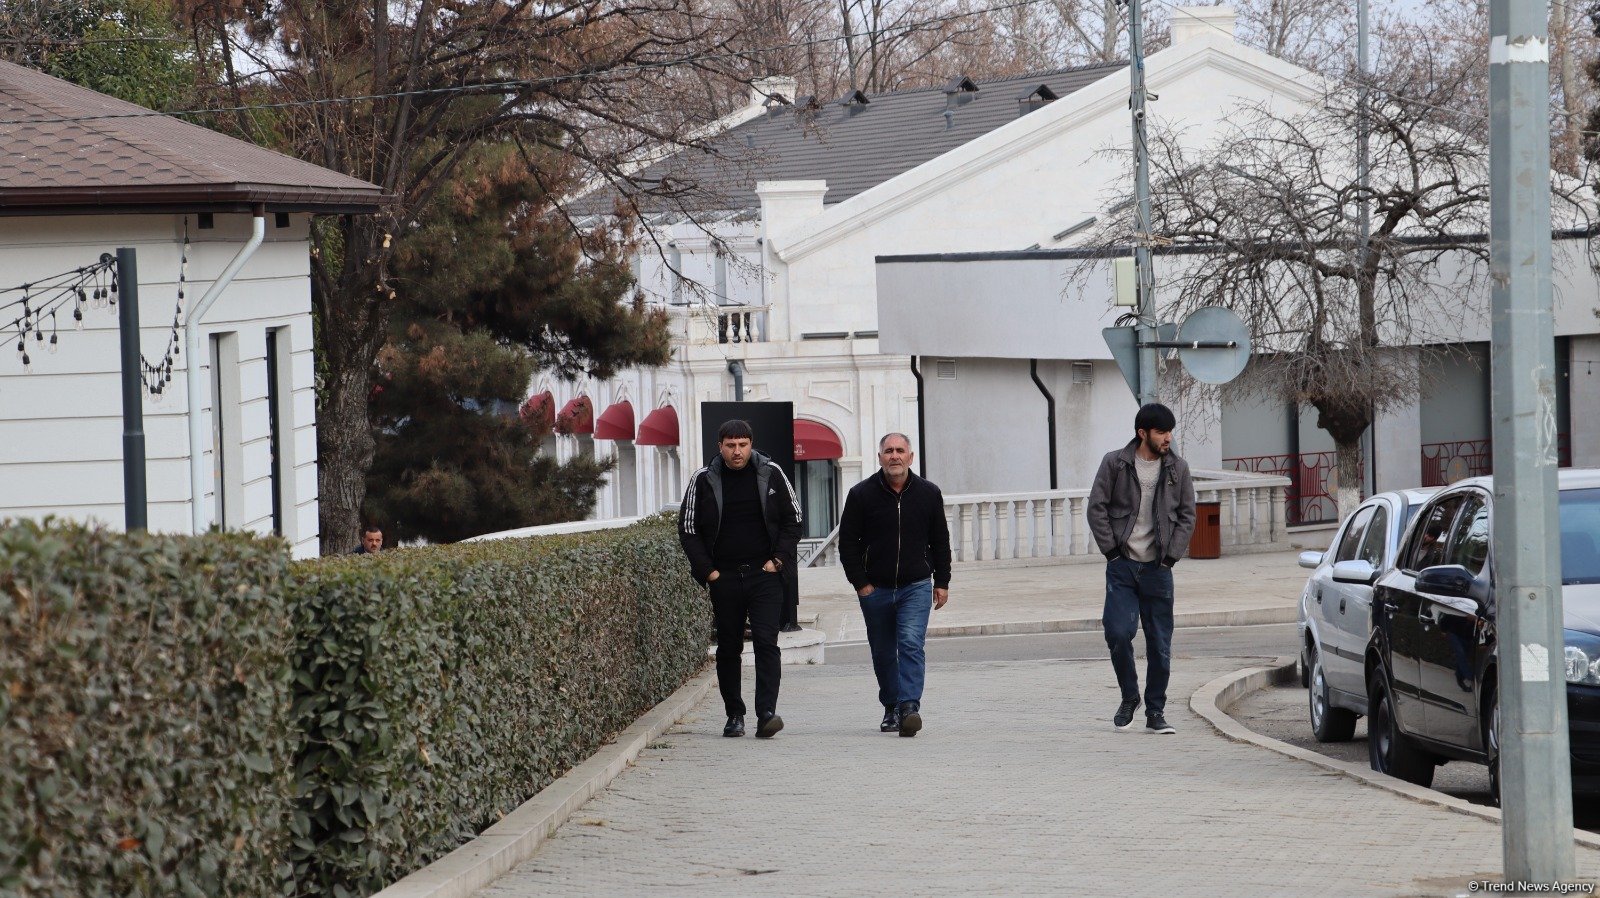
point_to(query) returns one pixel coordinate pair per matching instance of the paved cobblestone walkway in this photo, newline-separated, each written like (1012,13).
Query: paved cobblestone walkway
(1018,786)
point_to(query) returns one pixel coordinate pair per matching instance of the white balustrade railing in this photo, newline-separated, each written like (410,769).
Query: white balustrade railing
(1050,523)
(1054,523)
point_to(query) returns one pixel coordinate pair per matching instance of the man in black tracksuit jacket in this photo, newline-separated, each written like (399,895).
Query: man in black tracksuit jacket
(894,544)
(740,525)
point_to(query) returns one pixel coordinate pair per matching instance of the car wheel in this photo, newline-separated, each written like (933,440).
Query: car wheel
(1328,724)
(1491,746)
(1390,751)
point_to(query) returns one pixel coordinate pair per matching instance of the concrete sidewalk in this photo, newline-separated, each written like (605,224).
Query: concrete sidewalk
(1017,786)
(1006,597)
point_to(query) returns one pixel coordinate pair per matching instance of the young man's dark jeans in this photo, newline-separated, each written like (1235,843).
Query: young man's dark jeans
(742,591)
(1140,593)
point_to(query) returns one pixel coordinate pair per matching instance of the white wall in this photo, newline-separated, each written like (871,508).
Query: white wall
(61,426)
(1455,397)
(997,399)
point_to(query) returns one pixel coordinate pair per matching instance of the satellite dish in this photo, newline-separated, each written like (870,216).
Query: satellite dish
(1220,345)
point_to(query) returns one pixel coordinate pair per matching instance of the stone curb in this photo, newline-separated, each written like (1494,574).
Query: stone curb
(516,837)
(1212,700)
(1240,618)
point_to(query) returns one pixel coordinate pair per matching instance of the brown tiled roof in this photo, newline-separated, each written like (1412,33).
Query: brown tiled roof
(65,148)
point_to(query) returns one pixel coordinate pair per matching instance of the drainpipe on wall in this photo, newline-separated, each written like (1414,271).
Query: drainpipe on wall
(736,368)
(922,427)
(1050,415)
(191,345)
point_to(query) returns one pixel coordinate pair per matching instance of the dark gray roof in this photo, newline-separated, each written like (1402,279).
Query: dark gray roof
(852,146)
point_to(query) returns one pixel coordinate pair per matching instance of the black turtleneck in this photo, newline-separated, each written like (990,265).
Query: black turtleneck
(742,537)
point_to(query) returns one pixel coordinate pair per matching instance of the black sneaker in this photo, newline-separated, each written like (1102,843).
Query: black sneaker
(1124,718)
(769,726)
(1157,723)
(910,718)
(891,719)
(735,727)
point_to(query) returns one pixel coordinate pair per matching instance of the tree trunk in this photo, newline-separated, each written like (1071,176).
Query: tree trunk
(1345,419)
(1347,462)
(344,455)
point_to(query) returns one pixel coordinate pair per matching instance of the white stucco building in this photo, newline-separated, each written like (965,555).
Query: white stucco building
(933,181)
(82,174)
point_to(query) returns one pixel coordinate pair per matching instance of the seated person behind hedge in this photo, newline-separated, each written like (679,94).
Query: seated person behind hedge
(739,525)
(371,540)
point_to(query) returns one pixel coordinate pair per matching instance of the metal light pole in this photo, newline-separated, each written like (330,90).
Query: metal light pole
(135,506)
(1535,769)
(1144,274)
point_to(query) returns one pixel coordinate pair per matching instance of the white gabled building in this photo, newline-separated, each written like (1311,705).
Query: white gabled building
(82,174)
(816,193)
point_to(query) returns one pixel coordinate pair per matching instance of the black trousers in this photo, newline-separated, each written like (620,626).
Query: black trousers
(740,592)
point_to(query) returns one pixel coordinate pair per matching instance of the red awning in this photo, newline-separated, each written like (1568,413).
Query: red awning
(577,416)
(814,441)
(616,422)
(539,410)
(659,428)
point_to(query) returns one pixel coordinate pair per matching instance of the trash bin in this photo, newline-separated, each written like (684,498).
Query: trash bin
(1207,539)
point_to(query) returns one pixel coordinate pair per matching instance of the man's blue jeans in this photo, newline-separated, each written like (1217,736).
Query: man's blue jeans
(1140,593)
(897,629)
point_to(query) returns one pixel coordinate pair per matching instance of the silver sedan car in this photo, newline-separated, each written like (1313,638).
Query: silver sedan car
(1336,608)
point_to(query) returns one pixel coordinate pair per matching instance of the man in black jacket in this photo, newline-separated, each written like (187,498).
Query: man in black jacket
(739,525)
(1141,512)
(895,548)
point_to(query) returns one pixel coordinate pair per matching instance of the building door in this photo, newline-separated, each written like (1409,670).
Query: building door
(818,483)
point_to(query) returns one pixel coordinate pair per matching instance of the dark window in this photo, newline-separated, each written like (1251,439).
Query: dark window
(1376,543)
(1469,542)
(1350,542)
(1428,540)
(1580,536)
(274,438)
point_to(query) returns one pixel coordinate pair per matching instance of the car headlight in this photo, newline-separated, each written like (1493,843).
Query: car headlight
(1582,657)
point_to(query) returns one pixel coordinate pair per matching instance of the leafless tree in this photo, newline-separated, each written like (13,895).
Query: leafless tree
(1316,34)
(1271,207)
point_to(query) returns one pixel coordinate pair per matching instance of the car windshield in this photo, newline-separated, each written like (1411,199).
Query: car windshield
(1580,535)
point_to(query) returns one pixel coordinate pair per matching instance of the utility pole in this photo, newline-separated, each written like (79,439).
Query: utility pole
(1363,204)
(1144,274)
(1535,769)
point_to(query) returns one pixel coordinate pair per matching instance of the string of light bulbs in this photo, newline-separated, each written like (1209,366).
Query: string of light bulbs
(42,304)
(42,300)
(156,375)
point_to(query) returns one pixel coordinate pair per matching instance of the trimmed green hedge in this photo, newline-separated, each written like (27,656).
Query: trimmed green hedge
(186,716)
(144,746)
(442,687)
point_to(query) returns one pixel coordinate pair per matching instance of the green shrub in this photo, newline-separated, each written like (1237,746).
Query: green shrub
(183,716)
(441,687)
(143,709)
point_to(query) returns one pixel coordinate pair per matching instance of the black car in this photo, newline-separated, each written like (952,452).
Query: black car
(1431,663)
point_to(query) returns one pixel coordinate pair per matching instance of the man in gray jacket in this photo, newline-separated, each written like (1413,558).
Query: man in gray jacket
(1141,512)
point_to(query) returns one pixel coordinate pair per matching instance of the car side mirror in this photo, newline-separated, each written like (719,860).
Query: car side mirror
(1448,580)
(1355,570)
(1310,560)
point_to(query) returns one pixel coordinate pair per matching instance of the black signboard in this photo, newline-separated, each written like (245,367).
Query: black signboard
(771,422)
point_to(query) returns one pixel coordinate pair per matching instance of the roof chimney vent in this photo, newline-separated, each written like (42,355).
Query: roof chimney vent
(959,91)
(855,102)
(1037,98)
